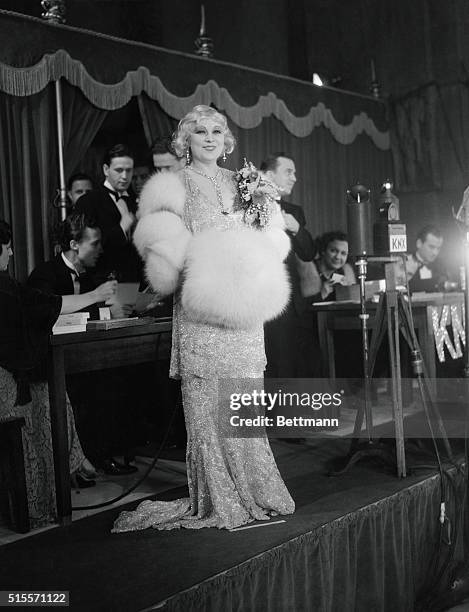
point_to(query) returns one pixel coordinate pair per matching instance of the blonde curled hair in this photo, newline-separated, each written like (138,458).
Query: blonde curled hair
(187,125)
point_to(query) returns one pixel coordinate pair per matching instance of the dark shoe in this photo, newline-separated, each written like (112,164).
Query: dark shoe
(129,469)
(79,482)
(114,468)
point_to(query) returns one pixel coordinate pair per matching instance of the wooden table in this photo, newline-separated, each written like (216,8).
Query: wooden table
(338,316)
(84,352)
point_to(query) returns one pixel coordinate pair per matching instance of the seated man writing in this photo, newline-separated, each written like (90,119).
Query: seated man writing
(69,273)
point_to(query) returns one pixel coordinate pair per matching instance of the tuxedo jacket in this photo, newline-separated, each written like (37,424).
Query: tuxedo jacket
(119,252)
(54,277)
(434,283)
(287,346)
(302,247)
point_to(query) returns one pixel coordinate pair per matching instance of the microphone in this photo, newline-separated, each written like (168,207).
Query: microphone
(359,220)
(390,234)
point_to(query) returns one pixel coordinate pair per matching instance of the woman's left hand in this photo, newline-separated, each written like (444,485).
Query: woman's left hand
(291,223)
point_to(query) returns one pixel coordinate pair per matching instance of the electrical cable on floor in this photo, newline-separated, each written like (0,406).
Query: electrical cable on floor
(145,474)
(435,575)
(139,481)
(418,370)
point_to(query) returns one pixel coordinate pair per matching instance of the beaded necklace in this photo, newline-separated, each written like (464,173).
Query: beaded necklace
(216,184)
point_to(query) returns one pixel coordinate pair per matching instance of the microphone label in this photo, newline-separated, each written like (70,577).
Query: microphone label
(397,238)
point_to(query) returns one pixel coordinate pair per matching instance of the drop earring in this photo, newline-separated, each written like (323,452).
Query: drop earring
(188,156)
(224,156)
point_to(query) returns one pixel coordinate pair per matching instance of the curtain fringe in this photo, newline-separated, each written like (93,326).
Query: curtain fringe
(31,80)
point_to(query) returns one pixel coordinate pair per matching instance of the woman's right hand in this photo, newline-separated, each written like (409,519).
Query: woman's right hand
(106,291)
(327,288)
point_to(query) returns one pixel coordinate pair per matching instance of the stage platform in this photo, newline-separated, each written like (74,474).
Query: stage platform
(364,541)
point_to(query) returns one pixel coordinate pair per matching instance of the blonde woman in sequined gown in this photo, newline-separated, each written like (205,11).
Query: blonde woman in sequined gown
(228,278)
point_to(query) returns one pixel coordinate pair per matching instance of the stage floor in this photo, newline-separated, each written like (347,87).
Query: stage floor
(362,541)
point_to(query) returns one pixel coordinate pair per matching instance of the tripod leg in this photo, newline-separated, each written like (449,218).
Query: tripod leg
(383,320)
(379,329)
(376,339)
(394,358)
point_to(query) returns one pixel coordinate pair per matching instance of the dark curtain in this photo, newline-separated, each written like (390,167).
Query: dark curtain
(156,123)
(29,165)
(420,53)
(29,169)
(82,121)
(430,134)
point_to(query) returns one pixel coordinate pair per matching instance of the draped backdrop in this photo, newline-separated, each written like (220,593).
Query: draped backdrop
(335,138)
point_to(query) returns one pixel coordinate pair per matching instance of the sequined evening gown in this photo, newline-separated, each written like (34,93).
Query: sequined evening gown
(232,481)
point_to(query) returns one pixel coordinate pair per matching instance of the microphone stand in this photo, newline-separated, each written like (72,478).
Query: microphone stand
(358,215)
(362,264)
(386,319)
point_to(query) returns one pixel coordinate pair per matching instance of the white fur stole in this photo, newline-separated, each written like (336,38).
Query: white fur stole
(234,278)
(160,236)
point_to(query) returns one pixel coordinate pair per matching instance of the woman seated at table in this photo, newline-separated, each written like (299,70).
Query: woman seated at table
(27,316)
(332,266)
(333,270)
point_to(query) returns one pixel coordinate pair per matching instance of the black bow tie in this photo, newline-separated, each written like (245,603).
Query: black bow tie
(116,194)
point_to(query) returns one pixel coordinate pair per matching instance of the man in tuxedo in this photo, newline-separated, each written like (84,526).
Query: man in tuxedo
(114,207)
(284,337)
(97,397)
(77,185)
(164,156)
(140,176)
(69,272)
(424,271)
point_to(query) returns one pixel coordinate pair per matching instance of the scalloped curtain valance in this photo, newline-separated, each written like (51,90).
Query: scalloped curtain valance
(26,81)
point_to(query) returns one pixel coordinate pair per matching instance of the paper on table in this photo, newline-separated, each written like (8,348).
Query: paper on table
(337,278)
(126,294)
(146,301)
(335,302)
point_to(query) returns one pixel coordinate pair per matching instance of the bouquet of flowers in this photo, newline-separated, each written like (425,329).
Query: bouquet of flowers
(258,194)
